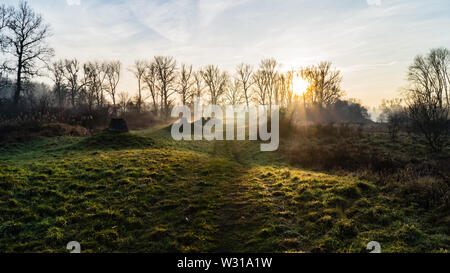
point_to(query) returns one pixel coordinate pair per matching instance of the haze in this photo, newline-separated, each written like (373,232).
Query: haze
(372,41)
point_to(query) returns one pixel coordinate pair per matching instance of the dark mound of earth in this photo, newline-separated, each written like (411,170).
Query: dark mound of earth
(116,141)
(29,131)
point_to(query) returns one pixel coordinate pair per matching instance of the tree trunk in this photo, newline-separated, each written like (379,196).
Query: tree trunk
(139,96)
(246,97)
(18,83)
(155,107)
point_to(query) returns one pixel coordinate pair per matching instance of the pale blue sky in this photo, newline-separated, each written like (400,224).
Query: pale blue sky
(371,41)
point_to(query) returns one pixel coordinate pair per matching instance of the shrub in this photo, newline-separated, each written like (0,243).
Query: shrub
(427,191)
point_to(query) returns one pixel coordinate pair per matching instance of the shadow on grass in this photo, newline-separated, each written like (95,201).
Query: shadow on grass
(106,140)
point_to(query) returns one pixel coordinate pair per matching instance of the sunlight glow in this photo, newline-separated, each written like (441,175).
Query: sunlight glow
(299,85)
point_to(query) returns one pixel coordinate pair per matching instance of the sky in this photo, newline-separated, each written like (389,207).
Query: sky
(371,41)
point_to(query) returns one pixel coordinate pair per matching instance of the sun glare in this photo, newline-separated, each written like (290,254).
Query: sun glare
(299,85)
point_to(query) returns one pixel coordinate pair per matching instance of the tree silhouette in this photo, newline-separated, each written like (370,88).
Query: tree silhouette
(26,41)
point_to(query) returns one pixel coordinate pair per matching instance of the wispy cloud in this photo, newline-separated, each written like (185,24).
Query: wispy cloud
(372,41)
(178,21)
(361,67)
(374,2)
(73,2)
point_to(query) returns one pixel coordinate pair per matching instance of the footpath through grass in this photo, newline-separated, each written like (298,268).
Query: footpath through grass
(143,192)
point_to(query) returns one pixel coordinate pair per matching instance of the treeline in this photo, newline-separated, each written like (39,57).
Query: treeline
(425,105)
(161,81)
(90,90)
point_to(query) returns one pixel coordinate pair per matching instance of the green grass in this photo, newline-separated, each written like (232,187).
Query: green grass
(142,192)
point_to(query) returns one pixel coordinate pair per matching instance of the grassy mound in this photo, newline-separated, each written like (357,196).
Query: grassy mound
(195,197)
(285,209)
(116,141)
(21,132)
(148,200)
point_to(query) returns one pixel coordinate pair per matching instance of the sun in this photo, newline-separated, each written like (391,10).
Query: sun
(299,85)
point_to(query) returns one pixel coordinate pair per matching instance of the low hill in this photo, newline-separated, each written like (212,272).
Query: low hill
(143,192)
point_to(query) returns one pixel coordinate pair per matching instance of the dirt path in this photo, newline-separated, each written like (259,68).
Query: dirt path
(242,214)
(235,207)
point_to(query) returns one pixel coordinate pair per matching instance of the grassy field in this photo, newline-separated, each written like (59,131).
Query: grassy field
(142,192)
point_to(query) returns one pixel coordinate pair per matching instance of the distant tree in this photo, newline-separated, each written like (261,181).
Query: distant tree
(185,83)
(45,101)
(343,111)
(33,94)
(74,81)
(260,88)
(95,77)
(151,79)
(26,42)
(199,85)
(4,17)
(244,74)
(5,87)
(113,70)
(216,81)
(269,72)
(5,14)
(266,83)
(234,92)
(139,70)
(57,75)
(285,87)
(87,94)
(325,84)
(394,114)
(431,74)
(427,96)
(123,102)
(166,71)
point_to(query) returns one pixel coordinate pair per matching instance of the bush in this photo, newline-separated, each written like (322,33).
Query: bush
(416,176)
(427,191)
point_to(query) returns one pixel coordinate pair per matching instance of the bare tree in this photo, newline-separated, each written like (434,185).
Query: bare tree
(260,87)
(27,44)
(431,74)
(113,70)
(87,93)
(185,83)
(57,75)
(234,92)
(151,79)
(100,86)
(123,102)
(440,62)
(199,85)
(4,17)
(395,115)
(285,88)
(95,77)
(427,98)
(268,69)
(5,14)
(325,84)
(166,71)
(216,81)
(139,70)
(244,74)
(73,79)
